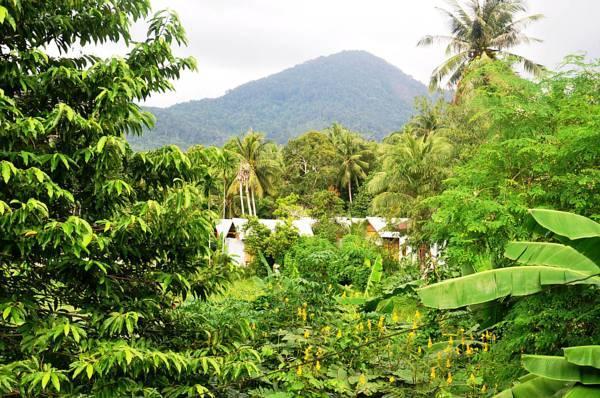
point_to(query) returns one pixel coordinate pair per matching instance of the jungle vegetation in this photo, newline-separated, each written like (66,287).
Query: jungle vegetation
(115,284)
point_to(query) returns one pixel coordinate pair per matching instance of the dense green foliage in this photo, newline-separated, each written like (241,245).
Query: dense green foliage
(576,260)
(354,88)
(114,283)
(97,243)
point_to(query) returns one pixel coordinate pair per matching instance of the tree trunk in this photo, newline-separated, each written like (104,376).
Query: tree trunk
(224,198)
(248,200)
(242,198)
(422,256)
(350,191)
(253,203)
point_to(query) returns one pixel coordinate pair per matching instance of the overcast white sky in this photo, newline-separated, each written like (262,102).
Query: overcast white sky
(235,41)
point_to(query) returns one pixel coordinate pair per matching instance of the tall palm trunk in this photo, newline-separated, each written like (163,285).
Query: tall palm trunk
(242,199)
(248,200)
(224,198)
(350,191)
(253,202)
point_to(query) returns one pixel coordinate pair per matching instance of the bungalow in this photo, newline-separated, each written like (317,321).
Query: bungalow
(390,233)
(233,232)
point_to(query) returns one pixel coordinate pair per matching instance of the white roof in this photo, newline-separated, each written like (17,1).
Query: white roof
(381,226)
(223,226)
(303,225)
(347,222)
(271,224)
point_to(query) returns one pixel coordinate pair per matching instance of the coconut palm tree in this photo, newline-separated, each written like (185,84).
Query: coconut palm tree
(352,154)
(224,164)
(482,29)
(429,118)
(411,169)
(256,171)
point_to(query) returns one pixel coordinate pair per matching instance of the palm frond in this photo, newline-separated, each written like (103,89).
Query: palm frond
(529,66)
(447,68)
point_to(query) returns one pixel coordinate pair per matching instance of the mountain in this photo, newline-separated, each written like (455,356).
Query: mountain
(357,89)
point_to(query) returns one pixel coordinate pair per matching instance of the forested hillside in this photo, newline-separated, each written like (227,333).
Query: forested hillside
(354,88)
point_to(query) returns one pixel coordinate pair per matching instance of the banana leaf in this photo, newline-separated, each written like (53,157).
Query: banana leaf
(535,387)
(583,392)
(589,247)
(550,254)
(584,355)
(498,283)
(375,275)
(558,368)
(573,226)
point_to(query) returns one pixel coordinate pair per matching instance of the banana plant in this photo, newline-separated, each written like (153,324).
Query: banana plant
(374,279)
(575,259)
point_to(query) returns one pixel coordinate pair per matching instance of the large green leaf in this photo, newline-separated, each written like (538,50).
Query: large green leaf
(573,226)
(589,247)
(583,392)
(558,368)
(375,275)
(494,284)
(534,387)
(550,254)
(584,355)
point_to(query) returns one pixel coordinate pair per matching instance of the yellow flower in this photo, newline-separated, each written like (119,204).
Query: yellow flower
(392,379)
(469,351)
(433,375)
(339,333)
(417,314)
(369,325)
(307,353)
(485,347)
(420,350)
(318,366)
(381,322)
(472,379)
(484,389)
(429,343)
(449,378)
(451,341)
(457,351)
(362,380)
(305,304)
(306,334)
(287,300)
(299,370)
(448,363)
(326,330)
(395,317)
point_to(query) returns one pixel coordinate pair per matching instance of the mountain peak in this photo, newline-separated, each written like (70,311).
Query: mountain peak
(355,88)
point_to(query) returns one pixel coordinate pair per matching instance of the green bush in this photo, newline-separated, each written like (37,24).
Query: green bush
(543,324)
